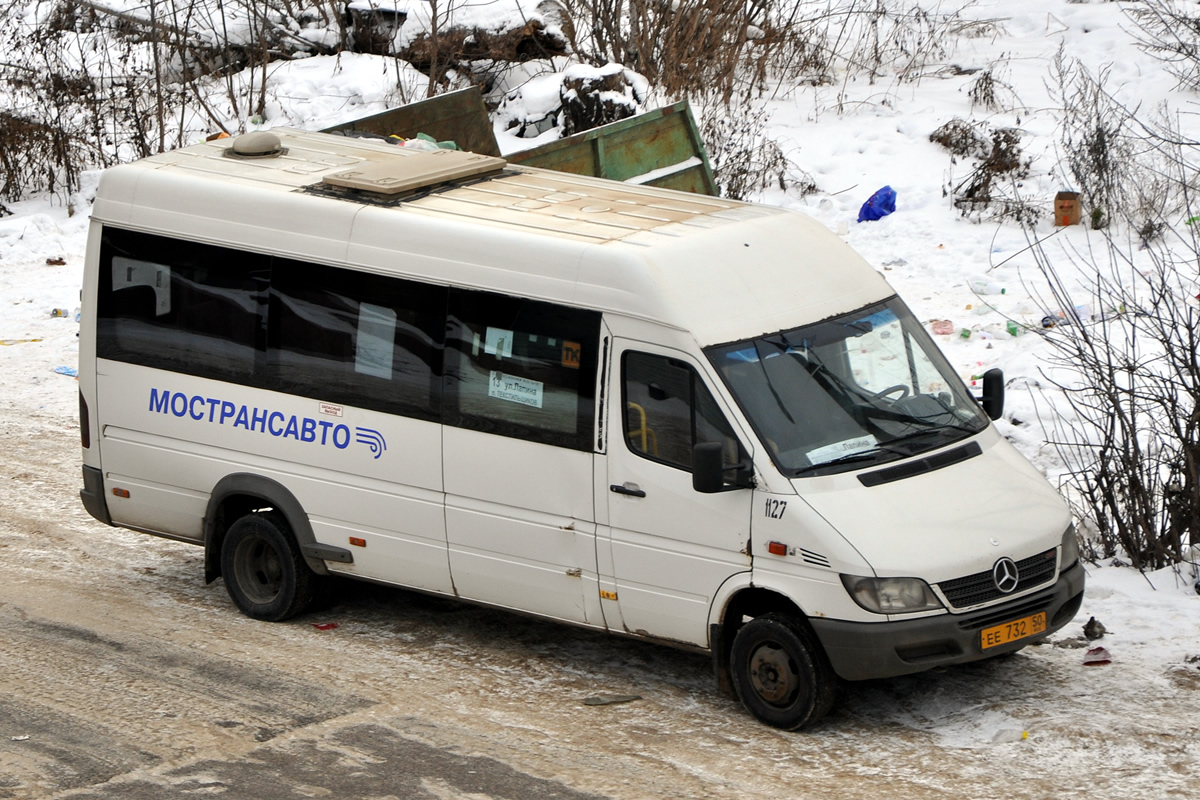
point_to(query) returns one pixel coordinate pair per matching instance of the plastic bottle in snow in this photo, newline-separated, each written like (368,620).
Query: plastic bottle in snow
(984,286)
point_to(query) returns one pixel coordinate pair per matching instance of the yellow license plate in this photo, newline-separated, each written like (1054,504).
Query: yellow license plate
(1013,631)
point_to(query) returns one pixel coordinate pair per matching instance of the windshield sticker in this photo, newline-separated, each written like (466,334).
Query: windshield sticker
(514,389)
(847,447)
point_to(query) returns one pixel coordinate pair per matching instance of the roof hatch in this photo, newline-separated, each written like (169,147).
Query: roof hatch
(414,170)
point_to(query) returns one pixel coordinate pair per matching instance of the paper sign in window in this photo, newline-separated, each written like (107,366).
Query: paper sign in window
(127,272)
(515,390)
(375,344)
(572,352)
(498,342)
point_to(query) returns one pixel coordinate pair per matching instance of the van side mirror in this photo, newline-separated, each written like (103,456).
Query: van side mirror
(709,468)
(993,393)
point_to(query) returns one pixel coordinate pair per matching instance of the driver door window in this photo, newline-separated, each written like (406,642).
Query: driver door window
(668,410)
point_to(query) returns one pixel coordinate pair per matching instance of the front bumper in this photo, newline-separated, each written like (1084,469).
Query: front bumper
(862,650)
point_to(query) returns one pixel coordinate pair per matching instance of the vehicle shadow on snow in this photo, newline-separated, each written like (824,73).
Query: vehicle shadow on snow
(931,702)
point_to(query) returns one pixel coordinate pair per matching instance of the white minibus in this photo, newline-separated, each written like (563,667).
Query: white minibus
(669,416)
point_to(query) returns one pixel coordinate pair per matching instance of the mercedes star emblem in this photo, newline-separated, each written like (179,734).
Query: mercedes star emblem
(1005,575)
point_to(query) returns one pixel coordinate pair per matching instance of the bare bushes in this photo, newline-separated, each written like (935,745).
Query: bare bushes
(990,188)
(1097,150)
(1131,383)
(1127,366)
(1119,158)
(682,48)
(1170,31)
(743,159)
(731,46)
(87,84)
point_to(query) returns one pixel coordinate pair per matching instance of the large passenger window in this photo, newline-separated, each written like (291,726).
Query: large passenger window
(189,308)
(668,410)
(357,338)
(521,368)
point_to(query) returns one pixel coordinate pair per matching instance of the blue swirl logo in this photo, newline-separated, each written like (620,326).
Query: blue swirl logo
(373,439)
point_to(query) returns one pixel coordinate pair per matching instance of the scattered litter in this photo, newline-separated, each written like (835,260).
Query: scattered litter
(611,700)
(7,342)
(55,262)
(984,286)
(942,327)
(1074,643)
(324,626)
(423,141)
(74,373)
(22,738)
(60,312)
(1094,629)
(1005,735)
(1096,657)
(880,204)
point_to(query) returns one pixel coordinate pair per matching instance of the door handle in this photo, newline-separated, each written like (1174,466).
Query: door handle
(623,489)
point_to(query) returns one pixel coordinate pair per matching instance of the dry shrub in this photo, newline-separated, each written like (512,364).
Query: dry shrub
(744,160)
(961,138)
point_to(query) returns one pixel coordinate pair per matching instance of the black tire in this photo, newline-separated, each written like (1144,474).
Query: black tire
(265,574)
(780,673)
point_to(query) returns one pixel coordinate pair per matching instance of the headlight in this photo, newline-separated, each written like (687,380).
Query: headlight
(1070,548)
(891,595)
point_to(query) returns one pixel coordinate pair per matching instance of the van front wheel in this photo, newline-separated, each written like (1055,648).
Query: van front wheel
(265,573)
(780,674)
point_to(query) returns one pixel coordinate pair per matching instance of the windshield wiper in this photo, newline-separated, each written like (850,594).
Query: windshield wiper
(849,458)
(941,431)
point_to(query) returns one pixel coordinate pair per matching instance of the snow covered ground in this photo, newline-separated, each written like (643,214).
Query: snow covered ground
(1130,727)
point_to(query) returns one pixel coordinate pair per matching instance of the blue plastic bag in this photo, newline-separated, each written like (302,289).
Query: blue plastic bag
(882,203)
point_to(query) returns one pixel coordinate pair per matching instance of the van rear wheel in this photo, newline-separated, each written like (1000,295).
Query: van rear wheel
(265,573)
(780,673)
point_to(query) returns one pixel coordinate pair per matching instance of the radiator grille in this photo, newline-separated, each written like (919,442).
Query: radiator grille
(981,588)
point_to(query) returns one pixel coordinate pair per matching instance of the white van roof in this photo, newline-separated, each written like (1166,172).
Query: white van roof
(722,269)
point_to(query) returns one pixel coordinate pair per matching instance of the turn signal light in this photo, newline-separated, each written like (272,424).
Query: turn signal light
(777,548)
(120,492)
(357,542)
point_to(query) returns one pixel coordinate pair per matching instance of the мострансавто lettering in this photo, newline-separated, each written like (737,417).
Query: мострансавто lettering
(263,420)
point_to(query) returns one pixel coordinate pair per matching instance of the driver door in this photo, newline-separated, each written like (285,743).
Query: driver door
(671,547)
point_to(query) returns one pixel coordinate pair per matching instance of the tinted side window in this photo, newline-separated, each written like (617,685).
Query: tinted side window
(181,306)
(357,338)
(521,368)
(668,410)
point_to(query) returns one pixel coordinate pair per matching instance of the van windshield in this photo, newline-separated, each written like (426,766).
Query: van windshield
(850,392)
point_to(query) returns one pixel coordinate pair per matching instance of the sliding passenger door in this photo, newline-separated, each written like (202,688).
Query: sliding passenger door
(519,408)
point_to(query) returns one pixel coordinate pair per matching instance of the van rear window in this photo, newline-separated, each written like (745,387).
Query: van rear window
(190,308)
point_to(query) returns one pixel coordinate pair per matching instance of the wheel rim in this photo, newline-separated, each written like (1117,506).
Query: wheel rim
(773,675)
(259,569)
